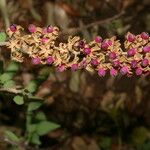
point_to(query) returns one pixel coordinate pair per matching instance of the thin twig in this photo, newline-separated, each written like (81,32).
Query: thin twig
(17,91)
(99,22)
(3,8)
(78,29)
(11,90)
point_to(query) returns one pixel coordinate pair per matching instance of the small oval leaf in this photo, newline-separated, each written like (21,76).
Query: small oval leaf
(45,126)
(2,37)
(11,136)
(34,105)
(18,100)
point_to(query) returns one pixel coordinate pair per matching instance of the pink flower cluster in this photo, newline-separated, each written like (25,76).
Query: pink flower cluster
(100,55)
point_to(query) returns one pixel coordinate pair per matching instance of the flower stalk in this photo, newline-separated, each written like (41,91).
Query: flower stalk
(99,55)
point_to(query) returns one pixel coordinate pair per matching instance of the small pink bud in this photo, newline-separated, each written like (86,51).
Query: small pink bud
(94,62)
(44,40)
(124,70)
(98,39)
(50,60)
(145,62)
(116,63)
(144,35)
(106,44)
(133,64)
(83,64)
(113,72)
(112,55)
(138,71)
(130,37)
(131,52)
(61,68)
(81,44)
(101,72)
(74,67)
(50,29)
(36,61)
(13,28)
(87,51)
(32,28)
(146,49)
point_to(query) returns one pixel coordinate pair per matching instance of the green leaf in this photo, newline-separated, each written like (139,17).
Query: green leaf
(105,142)
(31,128)
(35,139)
(144,146)
(32,86)
(40,116)
(2,37)
(18,100)
(11,136)
(34,106)
(14,148)
(139,135)
(10,71)
(5,77)
(9,84)
(13,67)
(45,126)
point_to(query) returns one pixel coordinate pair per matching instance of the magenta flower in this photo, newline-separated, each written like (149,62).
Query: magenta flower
(131,52)
(106,44)
(32,28)
(144,35)
(36,61)
(50,60)
(146,49)
(50,29)
(130,37)
(124,70)
(145,62)
(74,67)
(101,72)
(87,51)
(98,39)
(94,62)
(83,63)
(81,44)
(113,72)
(138,71)
(112,55)
(13,28)
(116,63)
(133,64)
(44,40)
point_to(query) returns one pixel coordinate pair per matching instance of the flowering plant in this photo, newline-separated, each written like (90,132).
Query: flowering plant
(100,55)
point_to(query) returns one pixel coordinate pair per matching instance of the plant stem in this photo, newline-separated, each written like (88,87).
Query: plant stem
(4,12)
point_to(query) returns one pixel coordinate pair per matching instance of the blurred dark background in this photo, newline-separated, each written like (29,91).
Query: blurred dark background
(93,112)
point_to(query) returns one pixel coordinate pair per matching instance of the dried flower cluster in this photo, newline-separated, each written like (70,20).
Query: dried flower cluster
(101,55)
